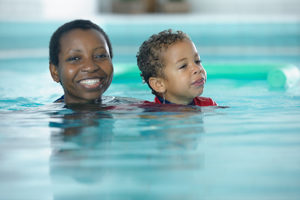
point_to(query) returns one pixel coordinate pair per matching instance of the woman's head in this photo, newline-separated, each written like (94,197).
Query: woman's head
(54,46)
(80,59)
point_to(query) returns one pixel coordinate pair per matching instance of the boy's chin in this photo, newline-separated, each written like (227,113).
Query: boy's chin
(199,93)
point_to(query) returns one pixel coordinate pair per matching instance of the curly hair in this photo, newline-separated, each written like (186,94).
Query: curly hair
(54,45)
(149,57)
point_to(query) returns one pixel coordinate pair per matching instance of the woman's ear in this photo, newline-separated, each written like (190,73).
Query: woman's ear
(157,84)
(54,72)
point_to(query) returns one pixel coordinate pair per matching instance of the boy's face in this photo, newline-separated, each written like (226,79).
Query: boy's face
(184,75)
(85,68)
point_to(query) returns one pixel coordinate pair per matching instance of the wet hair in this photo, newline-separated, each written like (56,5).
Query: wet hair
(54,45)
(149,57)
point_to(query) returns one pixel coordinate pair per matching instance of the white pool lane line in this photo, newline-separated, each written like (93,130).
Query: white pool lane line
(24,53)
(213,50)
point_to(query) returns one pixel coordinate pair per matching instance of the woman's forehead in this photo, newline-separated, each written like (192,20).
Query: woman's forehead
(81,34)
(79,38)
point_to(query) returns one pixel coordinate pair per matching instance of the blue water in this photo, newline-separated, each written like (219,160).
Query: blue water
(247,151)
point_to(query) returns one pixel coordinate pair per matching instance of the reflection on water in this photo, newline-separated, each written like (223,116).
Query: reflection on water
(132,150)
(100,151)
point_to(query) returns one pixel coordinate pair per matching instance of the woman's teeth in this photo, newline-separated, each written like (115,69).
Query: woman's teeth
(90,81)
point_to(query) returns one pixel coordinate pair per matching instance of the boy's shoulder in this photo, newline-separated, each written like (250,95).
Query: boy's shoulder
(204,101)
(198,101)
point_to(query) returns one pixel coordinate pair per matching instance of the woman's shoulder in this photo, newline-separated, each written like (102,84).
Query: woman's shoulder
(109,100)
(60,99)
(114,100)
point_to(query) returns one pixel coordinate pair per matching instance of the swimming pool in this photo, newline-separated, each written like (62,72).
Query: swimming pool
(247,151)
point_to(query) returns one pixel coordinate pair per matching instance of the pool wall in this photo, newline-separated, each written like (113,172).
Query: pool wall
(229,48)
(263,40)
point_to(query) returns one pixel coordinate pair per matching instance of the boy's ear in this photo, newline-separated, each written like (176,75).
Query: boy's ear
(157,84)
(54,72)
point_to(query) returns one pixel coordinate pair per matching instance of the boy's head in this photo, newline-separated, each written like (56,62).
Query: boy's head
(149,58)
(170,65)
(81,60)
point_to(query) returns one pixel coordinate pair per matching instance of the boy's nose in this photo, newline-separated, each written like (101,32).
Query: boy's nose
(197,69)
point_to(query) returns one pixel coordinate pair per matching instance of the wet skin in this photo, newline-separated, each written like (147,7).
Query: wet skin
(184,75)
(85,68)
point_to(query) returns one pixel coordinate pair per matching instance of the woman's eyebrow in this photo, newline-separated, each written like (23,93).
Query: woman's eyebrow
(75,50)
(79,50)
(101,47)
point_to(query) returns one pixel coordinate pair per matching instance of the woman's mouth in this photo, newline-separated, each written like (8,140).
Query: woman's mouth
(90,83)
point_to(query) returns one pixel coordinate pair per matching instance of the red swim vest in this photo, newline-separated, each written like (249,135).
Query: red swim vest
(199,101)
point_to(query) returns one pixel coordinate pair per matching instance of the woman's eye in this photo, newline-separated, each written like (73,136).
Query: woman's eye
(73,58)
(101,56)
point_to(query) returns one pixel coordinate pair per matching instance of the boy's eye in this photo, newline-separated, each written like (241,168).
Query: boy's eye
(198,62)
(182,66)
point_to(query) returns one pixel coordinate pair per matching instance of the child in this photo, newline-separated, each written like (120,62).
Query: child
(81,61)
(170,65)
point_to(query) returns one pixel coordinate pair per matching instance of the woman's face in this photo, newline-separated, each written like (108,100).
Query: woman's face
(85,68)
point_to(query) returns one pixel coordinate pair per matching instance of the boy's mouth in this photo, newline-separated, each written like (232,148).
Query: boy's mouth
(199,82)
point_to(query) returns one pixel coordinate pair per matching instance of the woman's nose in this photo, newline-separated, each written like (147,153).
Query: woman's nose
(89,66)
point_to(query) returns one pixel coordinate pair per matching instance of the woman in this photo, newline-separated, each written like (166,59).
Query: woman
(81,61)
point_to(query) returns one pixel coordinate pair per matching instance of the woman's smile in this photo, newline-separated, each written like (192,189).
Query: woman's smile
(88,76)
(90,83)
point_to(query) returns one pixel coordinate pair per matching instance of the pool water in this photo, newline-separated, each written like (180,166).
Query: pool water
(249,150)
